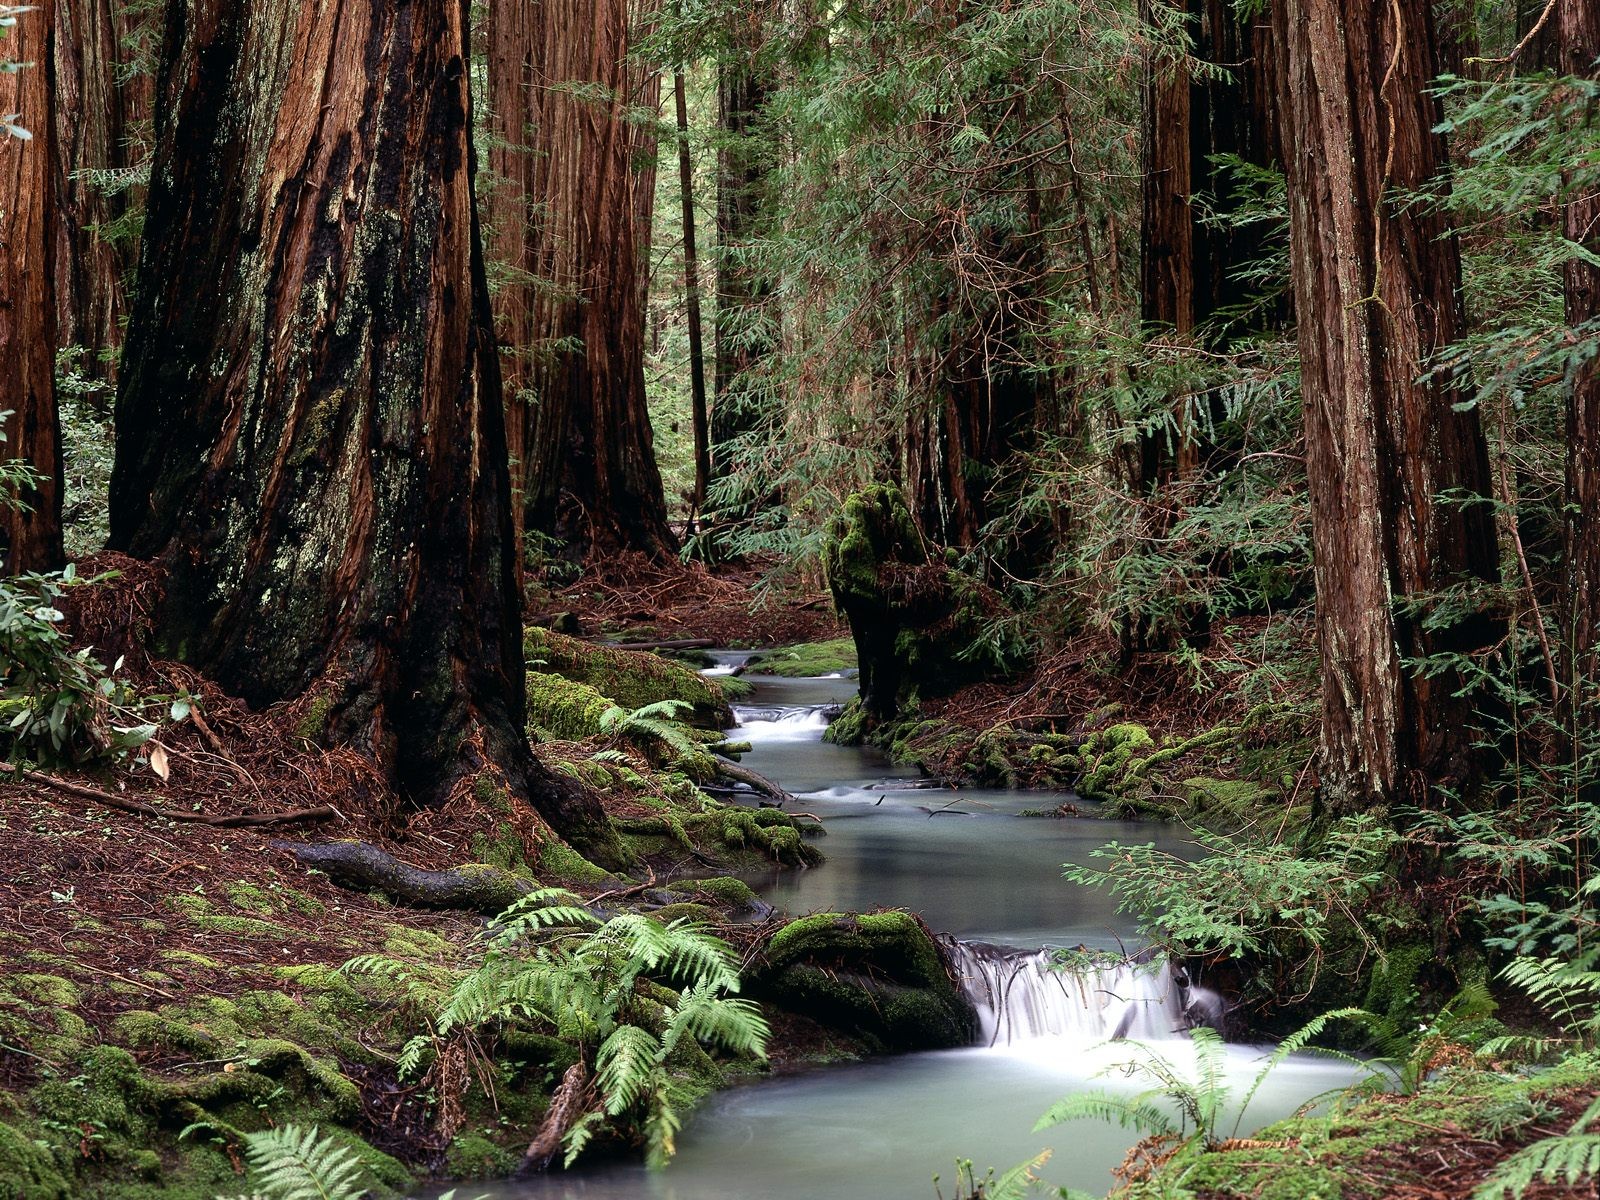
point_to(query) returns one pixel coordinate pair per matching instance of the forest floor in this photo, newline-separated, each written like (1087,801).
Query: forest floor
(630,598)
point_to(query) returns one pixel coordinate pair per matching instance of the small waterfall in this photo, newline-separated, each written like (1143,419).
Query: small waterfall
(1022,995)
(781,724)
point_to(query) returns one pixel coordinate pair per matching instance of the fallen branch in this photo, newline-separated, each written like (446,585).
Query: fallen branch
(124,804)
(675,644)
(754,779)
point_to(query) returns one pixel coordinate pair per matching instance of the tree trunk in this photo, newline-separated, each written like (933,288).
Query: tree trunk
(593,476)
(742,404)
(691,286)
(512,207)
(1580,48)
(1377,289)
(102,107)
(30,537)
(310,430)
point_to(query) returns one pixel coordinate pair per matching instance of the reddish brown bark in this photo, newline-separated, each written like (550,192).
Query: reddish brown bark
(1580,48)
(511,213)
(102,111)
(742,404)
(30,537)
(310,430)
(592,476)
(1377,292)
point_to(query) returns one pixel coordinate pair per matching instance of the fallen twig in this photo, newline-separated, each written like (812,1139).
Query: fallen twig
(322,812)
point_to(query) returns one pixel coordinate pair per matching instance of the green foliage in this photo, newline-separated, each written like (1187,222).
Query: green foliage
(1245,894)
(1569,1158)
(57,703)
(602,987)
(289,1163)
(1201,1103)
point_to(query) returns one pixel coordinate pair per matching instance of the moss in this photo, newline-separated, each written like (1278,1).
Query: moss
(1329,1157)
(683,910)
(28,1169)
(565,865)
(247,897)
(878,977)
(807,660)
(407,941)
(565,708)
(313,727)
(470,1156)
(629,678)
(200,912)
(36,1015)
(502,848)
(725,890)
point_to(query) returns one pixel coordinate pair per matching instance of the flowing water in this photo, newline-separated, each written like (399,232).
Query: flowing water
(990,880)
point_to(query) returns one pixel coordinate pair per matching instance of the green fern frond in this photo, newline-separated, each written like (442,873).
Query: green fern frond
(661,1129)
(1569,1159)
(735,1025)
(1016,1183)
(1299,1041)
(579,1136)
(625,1067)
(1137,1113)
(295,1164)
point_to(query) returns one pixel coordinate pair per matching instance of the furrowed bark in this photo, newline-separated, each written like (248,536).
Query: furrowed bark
(593,480)
(30,536)
(741,404)
(103,106)
(1377,288)
(1580,48)
(512,208)
(310,430)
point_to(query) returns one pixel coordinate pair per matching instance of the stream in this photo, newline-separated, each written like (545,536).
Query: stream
(974,869)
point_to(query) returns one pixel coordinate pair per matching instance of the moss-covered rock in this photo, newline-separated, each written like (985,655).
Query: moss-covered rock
(809,660)
(878,977)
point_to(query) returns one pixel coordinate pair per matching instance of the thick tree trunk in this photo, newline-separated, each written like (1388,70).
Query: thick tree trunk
(1580,48)
(310,430)
(593,476)
(102,106)
(1377,291)
(512,208)
(30,537)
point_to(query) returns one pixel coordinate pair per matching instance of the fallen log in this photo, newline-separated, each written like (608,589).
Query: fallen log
(359,866)
(571,1100)
(670,644)
(322,812)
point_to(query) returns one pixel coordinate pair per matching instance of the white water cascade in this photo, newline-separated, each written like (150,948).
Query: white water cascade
(1023,995)
(786,724)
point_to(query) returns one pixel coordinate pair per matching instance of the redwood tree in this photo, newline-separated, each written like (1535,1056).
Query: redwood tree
(102,107)
(30,537)
(1580,48)
(592,477)
(1377,291)
(310,436)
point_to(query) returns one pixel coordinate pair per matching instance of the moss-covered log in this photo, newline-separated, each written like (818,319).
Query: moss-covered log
(629,678)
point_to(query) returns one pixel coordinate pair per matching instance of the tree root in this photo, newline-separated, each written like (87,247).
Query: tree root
(362,867)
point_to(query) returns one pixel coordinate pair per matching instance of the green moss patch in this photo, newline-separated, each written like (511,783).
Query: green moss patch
(807,660)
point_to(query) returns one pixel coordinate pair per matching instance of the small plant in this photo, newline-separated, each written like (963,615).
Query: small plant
(1013,1185)
(1568,1158)
(290,1163)
(1193,1110)
(602,987)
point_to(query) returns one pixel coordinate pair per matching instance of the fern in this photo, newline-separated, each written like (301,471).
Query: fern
(294,1164)
(1568,1158)
(625,1067)
(1139,1113)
